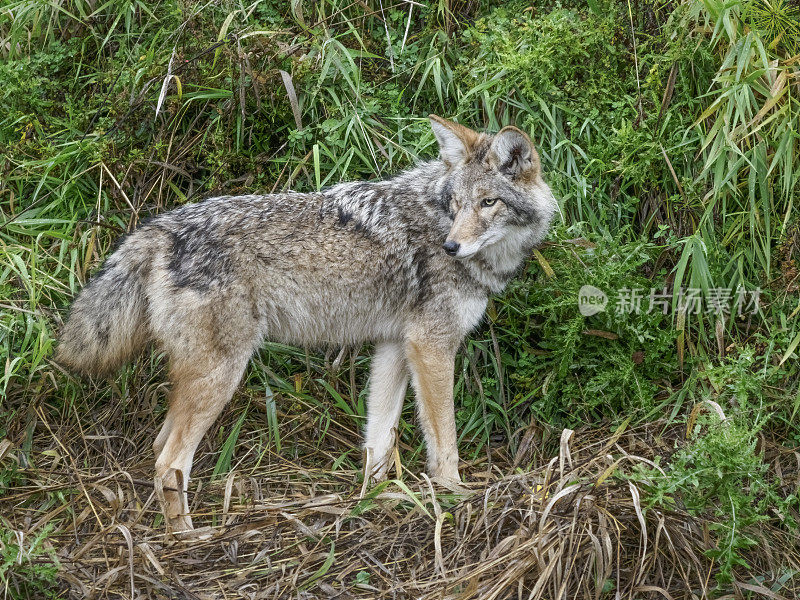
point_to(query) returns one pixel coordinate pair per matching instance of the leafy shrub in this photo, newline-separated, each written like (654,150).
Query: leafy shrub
(719,473)
(28,567)
(545,56)
(573,369)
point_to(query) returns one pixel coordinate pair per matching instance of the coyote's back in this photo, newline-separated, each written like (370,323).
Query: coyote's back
(406,263)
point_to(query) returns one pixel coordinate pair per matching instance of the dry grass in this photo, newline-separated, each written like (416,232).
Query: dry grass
(566,526)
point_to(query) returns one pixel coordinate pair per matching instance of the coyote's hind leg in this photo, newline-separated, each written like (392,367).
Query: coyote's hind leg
(202,387)
(163,434)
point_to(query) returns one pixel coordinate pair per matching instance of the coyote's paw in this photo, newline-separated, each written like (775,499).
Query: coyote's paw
(174,505)
(444,467)
(377,465)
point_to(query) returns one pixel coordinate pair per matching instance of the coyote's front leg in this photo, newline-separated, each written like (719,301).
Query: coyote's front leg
(388,381)
(432,365)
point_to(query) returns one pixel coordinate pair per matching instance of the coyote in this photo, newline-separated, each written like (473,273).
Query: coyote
(407,263)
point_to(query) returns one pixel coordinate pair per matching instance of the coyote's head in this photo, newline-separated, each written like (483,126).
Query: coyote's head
(493,191)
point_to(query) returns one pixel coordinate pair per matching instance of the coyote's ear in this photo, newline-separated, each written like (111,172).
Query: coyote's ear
(512,153)
(456,142)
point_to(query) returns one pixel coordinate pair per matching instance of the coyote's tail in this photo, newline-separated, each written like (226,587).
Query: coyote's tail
(107,324)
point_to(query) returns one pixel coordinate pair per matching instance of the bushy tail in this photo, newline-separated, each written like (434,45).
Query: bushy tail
(107,324)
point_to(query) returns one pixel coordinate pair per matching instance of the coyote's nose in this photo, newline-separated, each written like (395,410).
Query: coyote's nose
(451,247)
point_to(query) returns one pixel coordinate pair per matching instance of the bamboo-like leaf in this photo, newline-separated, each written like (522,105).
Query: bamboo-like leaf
(223,464)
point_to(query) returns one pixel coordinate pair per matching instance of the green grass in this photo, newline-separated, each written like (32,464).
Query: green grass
(669,134)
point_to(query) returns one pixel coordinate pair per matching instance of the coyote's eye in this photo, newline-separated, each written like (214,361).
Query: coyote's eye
(487,202)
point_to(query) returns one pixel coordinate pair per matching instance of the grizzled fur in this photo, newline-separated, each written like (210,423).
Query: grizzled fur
(357,262)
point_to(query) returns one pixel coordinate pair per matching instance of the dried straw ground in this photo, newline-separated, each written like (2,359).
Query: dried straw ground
(564,526)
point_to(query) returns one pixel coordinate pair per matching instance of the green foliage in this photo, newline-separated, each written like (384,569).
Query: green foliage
(776,21)
(28,567)
(574,369)
(749,148)
(720,473)
(544,57)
